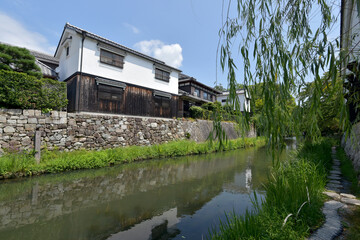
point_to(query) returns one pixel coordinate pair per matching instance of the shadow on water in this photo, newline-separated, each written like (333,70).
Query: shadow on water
(158,199)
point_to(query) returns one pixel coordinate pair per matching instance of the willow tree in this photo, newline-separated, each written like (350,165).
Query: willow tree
(277,44)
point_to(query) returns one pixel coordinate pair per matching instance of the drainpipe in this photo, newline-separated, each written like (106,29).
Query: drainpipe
(81,63)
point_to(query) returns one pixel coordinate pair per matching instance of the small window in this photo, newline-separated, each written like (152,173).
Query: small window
(197,92)
(162,75)
(111,58)
(67,50)
(223,100)
(206,96)
(110,93)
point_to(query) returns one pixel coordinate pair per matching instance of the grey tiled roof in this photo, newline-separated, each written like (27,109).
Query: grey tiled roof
(44,57)
(114,44)
(46,70)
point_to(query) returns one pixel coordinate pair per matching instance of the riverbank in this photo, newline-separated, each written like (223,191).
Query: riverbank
(292,206)
(16,165)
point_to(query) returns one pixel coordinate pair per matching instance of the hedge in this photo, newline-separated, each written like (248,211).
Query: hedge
(19,90)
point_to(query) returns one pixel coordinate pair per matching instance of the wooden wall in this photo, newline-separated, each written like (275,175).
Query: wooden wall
(132,100)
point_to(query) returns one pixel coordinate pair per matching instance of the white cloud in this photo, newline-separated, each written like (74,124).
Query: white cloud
(170,54)
(132,28)
(14,33)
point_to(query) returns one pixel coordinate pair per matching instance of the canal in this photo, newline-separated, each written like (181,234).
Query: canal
(179,198)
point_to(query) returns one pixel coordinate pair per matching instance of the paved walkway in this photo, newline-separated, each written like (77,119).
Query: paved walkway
(335,189)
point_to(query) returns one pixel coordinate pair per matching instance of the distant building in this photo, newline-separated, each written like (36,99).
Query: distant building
(193,93)
(243,96)
(104,76)
(47,64)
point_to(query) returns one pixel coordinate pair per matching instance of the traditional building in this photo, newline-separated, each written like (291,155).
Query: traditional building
(349,55)
(47,64)
(193,93)
(243,96)
(104,76)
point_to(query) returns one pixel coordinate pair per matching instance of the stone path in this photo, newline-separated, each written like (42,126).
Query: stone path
(335,190)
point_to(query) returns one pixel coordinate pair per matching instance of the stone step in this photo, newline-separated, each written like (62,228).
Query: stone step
(333,185)
(332,226)
(334,181)
(334,177)
(335,172)
(333,195)
(350,201)
(346,195)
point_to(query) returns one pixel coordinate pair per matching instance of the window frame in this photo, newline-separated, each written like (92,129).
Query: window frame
(162,75)
(111,63)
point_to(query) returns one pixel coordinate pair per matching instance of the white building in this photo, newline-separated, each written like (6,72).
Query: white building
(243,96)
(350,53)
(104,76)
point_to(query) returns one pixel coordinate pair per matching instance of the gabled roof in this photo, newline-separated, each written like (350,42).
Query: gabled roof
(44,57)
(185,78)
(46,70)
(112,43)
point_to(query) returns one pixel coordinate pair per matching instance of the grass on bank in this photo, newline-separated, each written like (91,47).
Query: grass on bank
(348,171)
(23,164)
(292,206)
(352,229)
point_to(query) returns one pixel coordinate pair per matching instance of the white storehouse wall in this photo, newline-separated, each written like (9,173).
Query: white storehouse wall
(136,70)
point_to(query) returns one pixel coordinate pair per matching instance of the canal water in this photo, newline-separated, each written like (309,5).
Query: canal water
(179,198)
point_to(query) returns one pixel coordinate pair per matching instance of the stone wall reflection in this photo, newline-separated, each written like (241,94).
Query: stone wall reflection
(40,201)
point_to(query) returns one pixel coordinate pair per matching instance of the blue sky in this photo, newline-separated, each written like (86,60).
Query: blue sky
(183,33)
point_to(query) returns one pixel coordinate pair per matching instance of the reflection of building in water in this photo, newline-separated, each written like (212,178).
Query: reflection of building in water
(248,178)
(157,227)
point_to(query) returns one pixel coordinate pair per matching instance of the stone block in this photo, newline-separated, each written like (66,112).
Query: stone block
(123,127)
(13,111)
(54,114)
(9,129)
(30,127)
(11,122)
(63,114)
(37,113)
(72,122)
(22,121)
(41,121)
(63,120)
(28,112)
(2,119)
(32,120)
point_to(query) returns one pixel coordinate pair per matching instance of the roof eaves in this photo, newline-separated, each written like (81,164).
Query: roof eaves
(114,44)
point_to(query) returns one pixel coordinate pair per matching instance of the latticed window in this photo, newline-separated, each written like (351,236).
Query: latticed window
(162,75)
(111,58)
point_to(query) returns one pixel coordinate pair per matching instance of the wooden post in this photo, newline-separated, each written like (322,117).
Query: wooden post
(37,146)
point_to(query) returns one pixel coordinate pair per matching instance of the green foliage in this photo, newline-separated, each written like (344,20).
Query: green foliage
(328,119)
(279,49)
(348,171)
(12,164)
(19,60)
(294,187)
(19,90)
(196,112)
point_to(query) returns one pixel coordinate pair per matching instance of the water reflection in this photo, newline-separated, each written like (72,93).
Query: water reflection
(160,199)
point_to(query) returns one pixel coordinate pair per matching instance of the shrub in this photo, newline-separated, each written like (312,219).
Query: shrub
(19,90)
(196,112)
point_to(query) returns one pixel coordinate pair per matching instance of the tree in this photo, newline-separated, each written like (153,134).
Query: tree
(19,60)
(280,49)
(220,88)
(329,105)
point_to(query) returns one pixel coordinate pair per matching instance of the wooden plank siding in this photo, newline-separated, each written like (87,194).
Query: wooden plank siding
(133,100)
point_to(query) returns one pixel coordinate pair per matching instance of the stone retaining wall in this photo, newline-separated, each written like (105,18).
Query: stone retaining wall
(352,146)
(69,131)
